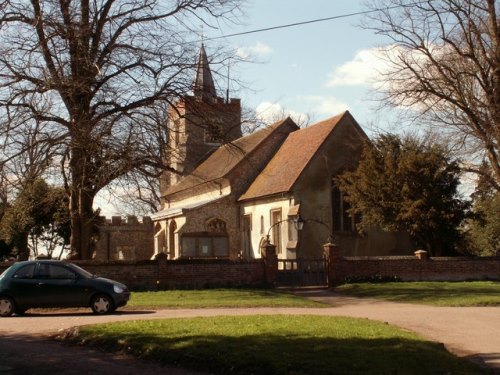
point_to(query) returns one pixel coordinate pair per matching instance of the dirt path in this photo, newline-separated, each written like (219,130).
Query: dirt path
(470,332)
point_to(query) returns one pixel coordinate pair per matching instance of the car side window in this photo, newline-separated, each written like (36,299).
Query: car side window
(60,273)
(25,272)
(54,272)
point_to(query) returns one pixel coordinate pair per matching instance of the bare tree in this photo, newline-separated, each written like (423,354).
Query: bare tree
(88,71)
(444,69)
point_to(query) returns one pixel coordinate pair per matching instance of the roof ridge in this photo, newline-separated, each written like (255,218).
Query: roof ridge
(201,174)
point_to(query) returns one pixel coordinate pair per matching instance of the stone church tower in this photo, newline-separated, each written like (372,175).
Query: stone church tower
(198,125)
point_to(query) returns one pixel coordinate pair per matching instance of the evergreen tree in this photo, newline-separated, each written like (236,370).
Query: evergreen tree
(37,209)
(483,228)
(410,185)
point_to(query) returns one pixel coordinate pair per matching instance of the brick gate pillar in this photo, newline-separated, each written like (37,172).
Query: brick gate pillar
(333,258)
(270,263)
(161,274)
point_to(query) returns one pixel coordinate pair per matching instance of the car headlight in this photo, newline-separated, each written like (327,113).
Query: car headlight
(118,288)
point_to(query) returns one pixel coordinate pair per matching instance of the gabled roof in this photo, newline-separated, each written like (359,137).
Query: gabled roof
(204,83)
(286,166)
(226,158)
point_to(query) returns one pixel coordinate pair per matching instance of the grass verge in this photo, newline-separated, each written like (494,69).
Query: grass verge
(277,345)
(473,293)
(213,298)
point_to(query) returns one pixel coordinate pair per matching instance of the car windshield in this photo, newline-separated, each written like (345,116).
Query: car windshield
(81,271)
(4,273)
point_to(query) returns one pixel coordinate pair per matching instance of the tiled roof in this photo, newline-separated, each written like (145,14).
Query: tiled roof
(226,158)
(291,159)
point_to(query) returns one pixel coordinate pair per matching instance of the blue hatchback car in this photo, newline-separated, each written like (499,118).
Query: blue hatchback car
(49,283)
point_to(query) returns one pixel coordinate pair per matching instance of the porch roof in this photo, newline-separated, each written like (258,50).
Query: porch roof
(180,210)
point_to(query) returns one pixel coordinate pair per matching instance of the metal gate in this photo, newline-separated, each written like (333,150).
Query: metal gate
(302,272)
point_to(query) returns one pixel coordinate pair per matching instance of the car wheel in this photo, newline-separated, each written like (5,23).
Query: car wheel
(102,304)
(7,306)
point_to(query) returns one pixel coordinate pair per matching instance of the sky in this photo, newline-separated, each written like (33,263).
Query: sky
(311,71)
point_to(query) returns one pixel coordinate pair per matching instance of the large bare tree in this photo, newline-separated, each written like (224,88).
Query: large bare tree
(444,68)
(87,73)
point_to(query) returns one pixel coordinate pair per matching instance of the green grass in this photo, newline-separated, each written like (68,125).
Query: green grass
(474,293)
(213,298)
(277,345)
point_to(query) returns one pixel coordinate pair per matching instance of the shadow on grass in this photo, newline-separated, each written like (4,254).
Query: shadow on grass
(277,354)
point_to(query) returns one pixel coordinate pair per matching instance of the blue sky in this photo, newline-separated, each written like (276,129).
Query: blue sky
(318,69)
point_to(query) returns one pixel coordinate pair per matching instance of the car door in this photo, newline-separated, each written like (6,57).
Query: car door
(58,286)
(23,286)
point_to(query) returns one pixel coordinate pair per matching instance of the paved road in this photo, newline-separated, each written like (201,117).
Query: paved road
(472,332)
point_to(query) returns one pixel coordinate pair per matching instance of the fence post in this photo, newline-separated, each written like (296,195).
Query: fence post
(422,255)
(270,263)
(333,257)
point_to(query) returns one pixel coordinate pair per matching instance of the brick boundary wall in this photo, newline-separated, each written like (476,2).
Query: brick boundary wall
(408,268)
(178,274)
(206,273)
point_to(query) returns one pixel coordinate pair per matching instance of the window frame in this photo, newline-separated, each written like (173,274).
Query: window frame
(276,229)
(201,236)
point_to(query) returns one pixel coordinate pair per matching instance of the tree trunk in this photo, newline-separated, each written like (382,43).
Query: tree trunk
(82,221)
(80,206)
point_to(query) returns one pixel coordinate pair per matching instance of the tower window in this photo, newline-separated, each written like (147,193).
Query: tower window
(213,134)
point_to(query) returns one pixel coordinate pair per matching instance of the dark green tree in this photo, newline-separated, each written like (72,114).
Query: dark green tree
(483,228)
(38,209)
(402,183)
(5,249)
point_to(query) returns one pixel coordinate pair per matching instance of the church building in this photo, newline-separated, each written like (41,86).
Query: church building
(230,193)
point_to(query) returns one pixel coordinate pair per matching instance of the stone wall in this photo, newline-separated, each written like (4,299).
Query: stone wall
(125,239)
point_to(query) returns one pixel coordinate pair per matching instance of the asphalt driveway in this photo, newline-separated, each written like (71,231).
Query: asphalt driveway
(472,332)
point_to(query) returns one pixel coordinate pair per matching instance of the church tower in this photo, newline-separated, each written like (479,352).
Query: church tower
(198,124)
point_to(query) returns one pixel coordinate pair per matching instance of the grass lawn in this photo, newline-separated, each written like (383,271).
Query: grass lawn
(474,293)
(218,298)
(277,345)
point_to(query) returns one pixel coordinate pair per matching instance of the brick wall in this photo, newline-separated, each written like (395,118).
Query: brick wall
(410,268)
(178,274)
(433,269)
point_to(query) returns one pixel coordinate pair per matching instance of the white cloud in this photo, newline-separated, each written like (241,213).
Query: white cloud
(324,105)
(259,49)
(363,69)
(269,113)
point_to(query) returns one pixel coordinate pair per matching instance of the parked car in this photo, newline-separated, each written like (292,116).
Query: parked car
(50,283)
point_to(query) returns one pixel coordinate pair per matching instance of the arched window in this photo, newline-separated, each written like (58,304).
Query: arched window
(216,225)
(159,239)
(171,238)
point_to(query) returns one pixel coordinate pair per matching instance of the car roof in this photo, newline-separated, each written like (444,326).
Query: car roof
(40,261)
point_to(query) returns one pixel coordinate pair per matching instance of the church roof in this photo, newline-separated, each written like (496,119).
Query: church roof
(286,166)
(204,83)
(226,158)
